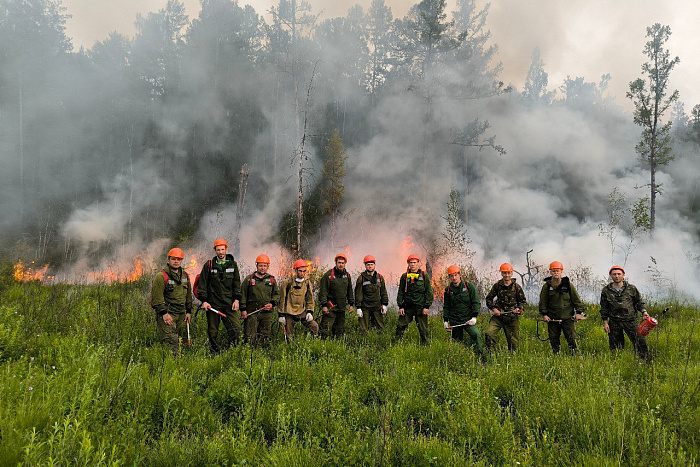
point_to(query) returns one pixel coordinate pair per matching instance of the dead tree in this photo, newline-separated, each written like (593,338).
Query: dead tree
(242,185)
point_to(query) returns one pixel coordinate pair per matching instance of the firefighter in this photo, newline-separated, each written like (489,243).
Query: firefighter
(334,295)
(620,302)
(297,302)
(171,298)
(414,298)
(259,295)
(371,297)
(506,300)
(461,307)
(219,287)
(560,307)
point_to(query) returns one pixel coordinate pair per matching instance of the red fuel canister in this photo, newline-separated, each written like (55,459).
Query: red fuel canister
(646,326)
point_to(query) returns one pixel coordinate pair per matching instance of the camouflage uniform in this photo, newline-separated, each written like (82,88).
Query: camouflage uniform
(560,303)
(619,308)
(335,292)
(220,286)
(173,298)
(505,298)
(415,294)
(296,301)
(370,295)
(461,304)
(256,292)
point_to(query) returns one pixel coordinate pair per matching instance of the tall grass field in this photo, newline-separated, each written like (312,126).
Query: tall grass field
(84,381)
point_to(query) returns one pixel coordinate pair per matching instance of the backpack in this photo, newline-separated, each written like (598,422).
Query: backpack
(195,286)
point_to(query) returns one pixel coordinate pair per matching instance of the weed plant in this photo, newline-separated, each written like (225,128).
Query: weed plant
(85,382)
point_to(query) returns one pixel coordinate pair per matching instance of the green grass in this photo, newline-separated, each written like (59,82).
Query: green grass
(83,381)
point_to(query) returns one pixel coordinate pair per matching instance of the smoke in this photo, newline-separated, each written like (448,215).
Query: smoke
(161,166)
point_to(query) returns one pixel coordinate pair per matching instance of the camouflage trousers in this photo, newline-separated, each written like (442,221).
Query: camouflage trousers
(170,334)
(511,328)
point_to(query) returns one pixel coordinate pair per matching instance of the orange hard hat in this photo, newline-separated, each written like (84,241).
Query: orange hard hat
(300,263)
(176,253)
(340,255)
(556,265)
(506,267)
(412,258)
(616,267)
(454,269)
(369,259)
(220,241)
(262,259)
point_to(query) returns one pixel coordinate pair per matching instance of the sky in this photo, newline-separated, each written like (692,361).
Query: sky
(586,38)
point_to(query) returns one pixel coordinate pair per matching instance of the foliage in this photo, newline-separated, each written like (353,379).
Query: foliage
(85,382)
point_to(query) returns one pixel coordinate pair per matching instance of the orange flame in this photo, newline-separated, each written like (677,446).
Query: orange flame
(27,274)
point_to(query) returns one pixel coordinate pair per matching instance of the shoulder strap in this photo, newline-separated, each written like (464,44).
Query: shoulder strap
(165,276)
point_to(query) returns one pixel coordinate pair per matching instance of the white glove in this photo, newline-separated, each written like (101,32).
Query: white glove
(447,325)
(282,320)
(383,309)
(359,312)
(472,321)
(309,317)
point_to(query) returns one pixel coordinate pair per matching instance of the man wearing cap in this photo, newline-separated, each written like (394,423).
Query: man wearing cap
(461,307)
(334,295)
(259,295)
(561,307)
(171,298)
(219,289)
(371,297)
(297,302)
(414,298)
(620,302)
(506,300)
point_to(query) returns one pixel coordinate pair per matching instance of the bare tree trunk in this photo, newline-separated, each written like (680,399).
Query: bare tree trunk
(242,186)
(21,143)
(130,141)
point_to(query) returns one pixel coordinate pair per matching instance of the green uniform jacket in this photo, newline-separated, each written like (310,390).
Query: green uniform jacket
(415,290)
(370,291)
(560,302)
(257,292)
(461,303)
(622,305)
(173,297)
(336,287)
(296,297)
(220,285)
(506,297)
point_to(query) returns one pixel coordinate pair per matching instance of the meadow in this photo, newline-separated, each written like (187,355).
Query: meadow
(84,381)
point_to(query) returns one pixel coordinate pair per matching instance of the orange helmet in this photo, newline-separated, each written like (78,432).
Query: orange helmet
(300,263)
(220,241)
(369,259)
(506,267)
(176,253)
(453,269)
(340,255)
(616,267)
(556,265)
(412,258)
(262,259)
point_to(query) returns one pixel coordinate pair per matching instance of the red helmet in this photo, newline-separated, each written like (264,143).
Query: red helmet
(300,263)
(454,269)
(340,255)
(369,259)
(262,259)
(413,258)
(616,267)
(220,241)
(556,265)
(506,267)
(176,253)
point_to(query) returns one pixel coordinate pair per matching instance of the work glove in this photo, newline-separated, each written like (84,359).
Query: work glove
(359,312)
(282,320)
(447,325)
(472,321)
(383,309)
(309,317)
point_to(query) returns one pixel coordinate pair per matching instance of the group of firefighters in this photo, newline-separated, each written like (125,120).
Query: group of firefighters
(247,307)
